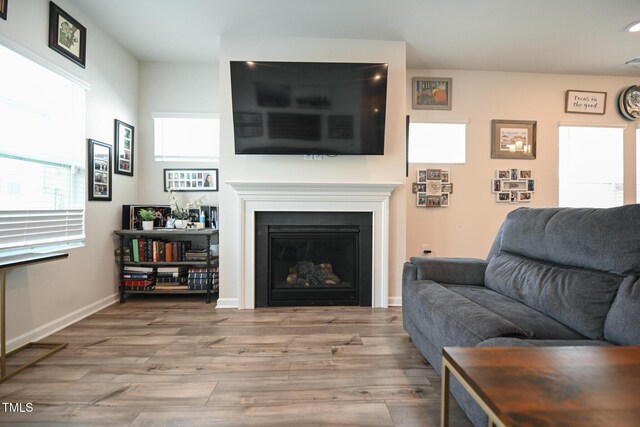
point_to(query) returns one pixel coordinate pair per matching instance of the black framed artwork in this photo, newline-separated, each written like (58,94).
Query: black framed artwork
(190,179)
(66,35)
(99,168)
(3,9)
(124,142)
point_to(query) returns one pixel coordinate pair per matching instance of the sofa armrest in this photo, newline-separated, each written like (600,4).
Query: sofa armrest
(458,271)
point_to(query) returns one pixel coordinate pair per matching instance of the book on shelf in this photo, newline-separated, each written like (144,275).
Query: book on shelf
(171,287)
(127,254)
(201,285)
(135,283)
(138,276)
(135,254)
(137,269)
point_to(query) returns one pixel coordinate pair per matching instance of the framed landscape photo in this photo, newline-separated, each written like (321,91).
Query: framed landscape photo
(66,35)
(431,93)
(513,139)
(583,102)
(191,179)
(123,140)
(3,9)
(99,167)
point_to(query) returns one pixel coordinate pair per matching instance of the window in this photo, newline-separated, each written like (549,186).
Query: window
(186,137)
(437,142)
(42,156)
(591,166)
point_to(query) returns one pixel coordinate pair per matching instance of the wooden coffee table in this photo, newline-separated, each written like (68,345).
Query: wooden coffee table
(548,386)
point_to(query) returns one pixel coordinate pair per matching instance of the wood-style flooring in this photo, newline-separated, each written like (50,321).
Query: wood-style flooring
(175,360)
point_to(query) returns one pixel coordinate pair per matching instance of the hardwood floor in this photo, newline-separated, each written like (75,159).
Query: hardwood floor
(177,361)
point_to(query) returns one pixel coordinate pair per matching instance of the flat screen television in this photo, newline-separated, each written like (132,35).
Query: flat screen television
(308,107)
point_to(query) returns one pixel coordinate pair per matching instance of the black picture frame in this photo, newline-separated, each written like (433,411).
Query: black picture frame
(4,4)
(190,179)
(73,43)
(100,183)
(124,142)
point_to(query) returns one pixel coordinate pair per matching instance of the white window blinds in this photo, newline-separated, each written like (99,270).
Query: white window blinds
(591,166)
(42,155)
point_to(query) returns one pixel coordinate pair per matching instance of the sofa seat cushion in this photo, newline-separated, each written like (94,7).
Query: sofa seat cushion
(450,319)
(515,342)
(577,298)
(536,324)
(623,320)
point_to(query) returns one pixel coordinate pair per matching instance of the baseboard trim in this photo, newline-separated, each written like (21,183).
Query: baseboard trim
(395,301)
(61,323)
(227,303)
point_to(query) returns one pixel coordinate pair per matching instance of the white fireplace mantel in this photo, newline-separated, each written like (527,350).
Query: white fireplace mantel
(262,196)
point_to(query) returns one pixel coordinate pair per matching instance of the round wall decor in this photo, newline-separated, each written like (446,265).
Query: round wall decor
(629,103)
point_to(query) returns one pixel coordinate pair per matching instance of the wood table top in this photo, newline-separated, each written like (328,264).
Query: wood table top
(555,386)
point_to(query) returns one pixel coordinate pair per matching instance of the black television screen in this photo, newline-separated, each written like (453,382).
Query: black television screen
(308,107)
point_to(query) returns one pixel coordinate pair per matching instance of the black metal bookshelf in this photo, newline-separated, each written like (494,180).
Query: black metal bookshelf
(209,235)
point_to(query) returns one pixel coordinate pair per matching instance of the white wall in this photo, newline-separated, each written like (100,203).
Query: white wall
(172,88)
(45,297)
(389,167)
(468,226)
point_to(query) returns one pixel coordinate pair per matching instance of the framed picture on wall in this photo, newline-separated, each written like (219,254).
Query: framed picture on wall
(66,35)
(99,167)
(3,9)
(513,139)
(431,93)
(191,179)
(584,102)
(123,140)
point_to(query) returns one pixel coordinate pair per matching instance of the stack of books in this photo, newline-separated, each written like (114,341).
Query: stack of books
(139,278)
(196,255)
(197,279)
(172,278)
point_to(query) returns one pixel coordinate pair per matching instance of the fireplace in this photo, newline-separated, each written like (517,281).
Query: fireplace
(313,258)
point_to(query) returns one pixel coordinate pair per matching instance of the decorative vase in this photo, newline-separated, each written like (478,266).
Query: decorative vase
(147,225)
(181,223)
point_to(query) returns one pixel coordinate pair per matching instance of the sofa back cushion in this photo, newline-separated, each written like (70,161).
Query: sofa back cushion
(579,299)
(598,239)
(623,320)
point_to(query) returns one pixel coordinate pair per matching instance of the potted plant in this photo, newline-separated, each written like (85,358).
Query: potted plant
(182,214)
(147,216)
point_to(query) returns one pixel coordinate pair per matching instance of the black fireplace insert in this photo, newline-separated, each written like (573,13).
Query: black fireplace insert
(313,258)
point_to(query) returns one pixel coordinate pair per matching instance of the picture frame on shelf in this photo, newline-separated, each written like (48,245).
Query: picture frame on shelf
(431,93)
(66,35)
(99,168)
(585,102)
(191,179)
(513,139)
(124,140)
(4,4)
(131,219)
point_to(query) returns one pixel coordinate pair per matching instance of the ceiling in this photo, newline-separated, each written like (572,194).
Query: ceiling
(545,36)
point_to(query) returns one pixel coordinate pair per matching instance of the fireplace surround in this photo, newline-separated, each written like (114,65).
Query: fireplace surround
(253,196)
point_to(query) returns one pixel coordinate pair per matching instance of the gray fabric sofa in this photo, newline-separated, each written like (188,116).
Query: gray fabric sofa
(553,277)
